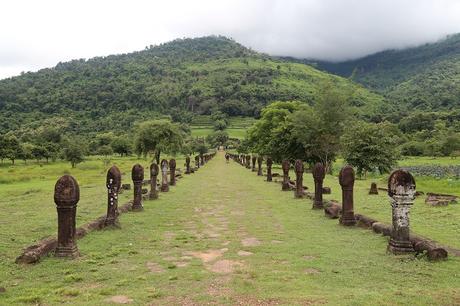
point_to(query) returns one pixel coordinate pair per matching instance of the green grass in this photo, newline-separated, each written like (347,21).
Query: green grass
(202,126)
(303,258)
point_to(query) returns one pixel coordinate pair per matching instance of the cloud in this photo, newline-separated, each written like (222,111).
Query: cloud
(42,33)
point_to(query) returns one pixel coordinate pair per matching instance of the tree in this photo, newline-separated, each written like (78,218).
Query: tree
(26,151)
(369,146)
(121,145)
(218,138)
(74,153)
(13,148)
(39,152)
(105,150)
(157,136)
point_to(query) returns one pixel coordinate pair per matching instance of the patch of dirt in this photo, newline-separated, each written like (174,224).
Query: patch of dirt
(209,255)
(312,271)
(244,253)
(154,267)
(119,299)
(224,266)
(308,257)
(226,243)
(181,264)
(251,241)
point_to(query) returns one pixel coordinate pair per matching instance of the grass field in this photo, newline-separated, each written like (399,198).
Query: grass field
(221,236)
(202,126)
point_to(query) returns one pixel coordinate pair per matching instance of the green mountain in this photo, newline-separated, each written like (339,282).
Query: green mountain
(426,77)
(179,79)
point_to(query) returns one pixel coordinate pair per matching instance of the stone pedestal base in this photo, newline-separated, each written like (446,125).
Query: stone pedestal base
(318,205)
(400,247)
(165,188)
(71,252)
(137,207)
(347,220)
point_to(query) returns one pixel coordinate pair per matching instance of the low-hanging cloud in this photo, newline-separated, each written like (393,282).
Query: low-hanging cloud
(38,34)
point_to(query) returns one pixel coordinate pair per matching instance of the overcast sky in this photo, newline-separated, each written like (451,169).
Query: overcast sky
(40,33)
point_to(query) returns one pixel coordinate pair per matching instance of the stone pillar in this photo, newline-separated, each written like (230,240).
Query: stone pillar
(164,176)
(137,174)
(298,178)
(347,180)
(259,166)
(201,160)
(285,165)
(373,189)
(254,159)
(66,197)
(197,162)
(318,176)
(187,165)
(154,170)
(269,169)
(248,161)
(113,184)
(401,190)
(172,172)
(227,157)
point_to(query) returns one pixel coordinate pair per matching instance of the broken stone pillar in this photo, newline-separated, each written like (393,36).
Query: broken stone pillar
(248,161)
(269,169)
(254,159)
(197,162)
(285,165)
(318,175)
(187,165)
(172,171)
(66,197)
(164,176)
(347,180)
(154,170)
(298,178)
(373,189)
(259,165)
(401,190)
(113,184)
(137,174)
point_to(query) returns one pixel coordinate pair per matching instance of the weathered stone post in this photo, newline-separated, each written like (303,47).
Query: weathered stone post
(227,157)
(201,159)
(197,162)
(153,181)
(66,197)
(187,165)
(285,165)
(373,189)
(401,189)
(113,184)
(172,172)
(259,166)
(254,159)
(137,174)
(164,176)
(269,169)
(347,180)
(248,161)
(318,176)
(298,179)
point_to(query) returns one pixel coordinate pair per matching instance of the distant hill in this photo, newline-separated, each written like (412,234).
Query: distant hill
(179,79)
(426,77)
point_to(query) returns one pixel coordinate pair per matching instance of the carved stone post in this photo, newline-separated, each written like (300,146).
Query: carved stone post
(269,169)
(285,165)
(254,159)
(164,176)
(227,157)
(66,197)
(318,176)
(187,165)
(401,189)
(154,170)
(201,160)
(172,172)
(373,189)
(197,162)
(113,184)
(259,166)
(347,180)
(137,174)
(298,178)
(248,161)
